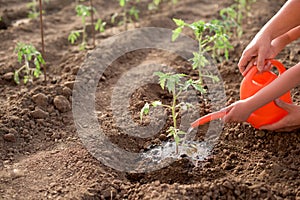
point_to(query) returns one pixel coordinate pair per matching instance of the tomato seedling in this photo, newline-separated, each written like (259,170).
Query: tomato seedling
(154,5)
(212,40)
(175,85)
(84,12)
(129,13)
(231,20)
(32,6)
(28,53)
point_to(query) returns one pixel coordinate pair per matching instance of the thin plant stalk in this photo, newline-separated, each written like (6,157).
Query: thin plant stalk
(42,39)
(125,17)
(92,21)
(174,116)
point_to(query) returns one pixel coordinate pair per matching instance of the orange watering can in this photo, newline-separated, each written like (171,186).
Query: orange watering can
(252,83)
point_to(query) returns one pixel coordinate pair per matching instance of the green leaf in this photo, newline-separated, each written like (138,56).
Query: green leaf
(162,79)
(83,11)
(176,33)
(171,131)
(16,77)
(181,133)
(145,111)
(177,139)
(199,87)
(122,3)
(29,53)
(156,103)
(113,18)
(179,22)
(156,2)
(100,26)
(134,12)
(73,36)
(25,80)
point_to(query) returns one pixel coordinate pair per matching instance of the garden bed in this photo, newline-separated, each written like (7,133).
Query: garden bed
(42,156)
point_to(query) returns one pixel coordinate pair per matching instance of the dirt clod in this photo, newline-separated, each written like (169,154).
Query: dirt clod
(62,104)
(40,99)
(38,113)
(9,137)
(8,76)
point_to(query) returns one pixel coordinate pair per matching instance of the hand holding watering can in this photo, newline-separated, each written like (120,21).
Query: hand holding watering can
(250,85)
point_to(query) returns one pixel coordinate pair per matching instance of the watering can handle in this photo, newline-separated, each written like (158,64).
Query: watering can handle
(274,63)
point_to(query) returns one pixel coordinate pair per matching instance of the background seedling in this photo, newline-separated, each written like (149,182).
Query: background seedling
(33,13)
(84,12)
(154,5)
(212,41)
(231,21)
(28,54)
(129,13)
(42,37)
(233,16)
(175,85)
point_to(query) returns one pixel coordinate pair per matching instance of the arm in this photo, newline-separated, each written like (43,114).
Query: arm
(276,46)
(287,18)
(280,42)
(241,110)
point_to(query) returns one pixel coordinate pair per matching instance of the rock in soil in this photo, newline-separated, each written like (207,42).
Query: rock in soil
(9,137)
(39,113)
(62,104)
(40,99)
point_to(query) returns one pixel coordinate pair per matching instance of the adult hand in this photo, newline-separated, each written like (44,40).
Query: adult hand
(290,122)
(260,49)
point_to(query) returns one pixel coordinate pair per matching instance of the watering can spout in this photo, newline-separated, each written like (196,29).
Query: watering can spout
(207,118)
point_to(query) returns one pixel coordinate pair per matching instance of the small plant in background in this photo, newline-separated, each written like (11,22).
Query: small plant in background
(175,85)
(28,53)
(129,14)
(32,6)
(233,16)
(243,8)
(100,26)
(212,40)
(84,12)
(231,21)
(154,5)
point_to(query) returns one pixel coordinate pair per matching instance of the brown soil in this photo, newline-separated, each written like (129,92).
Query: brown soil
(42,157)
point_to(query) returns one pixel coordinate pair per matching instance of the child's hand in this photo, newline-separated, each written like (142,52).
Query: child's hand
(237,112)
(289,122)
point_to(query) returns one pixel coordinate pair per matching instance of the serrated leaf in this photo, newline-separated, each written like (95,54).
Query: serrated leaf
(199,87)
(162,79)
(176,33)
(179,22)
